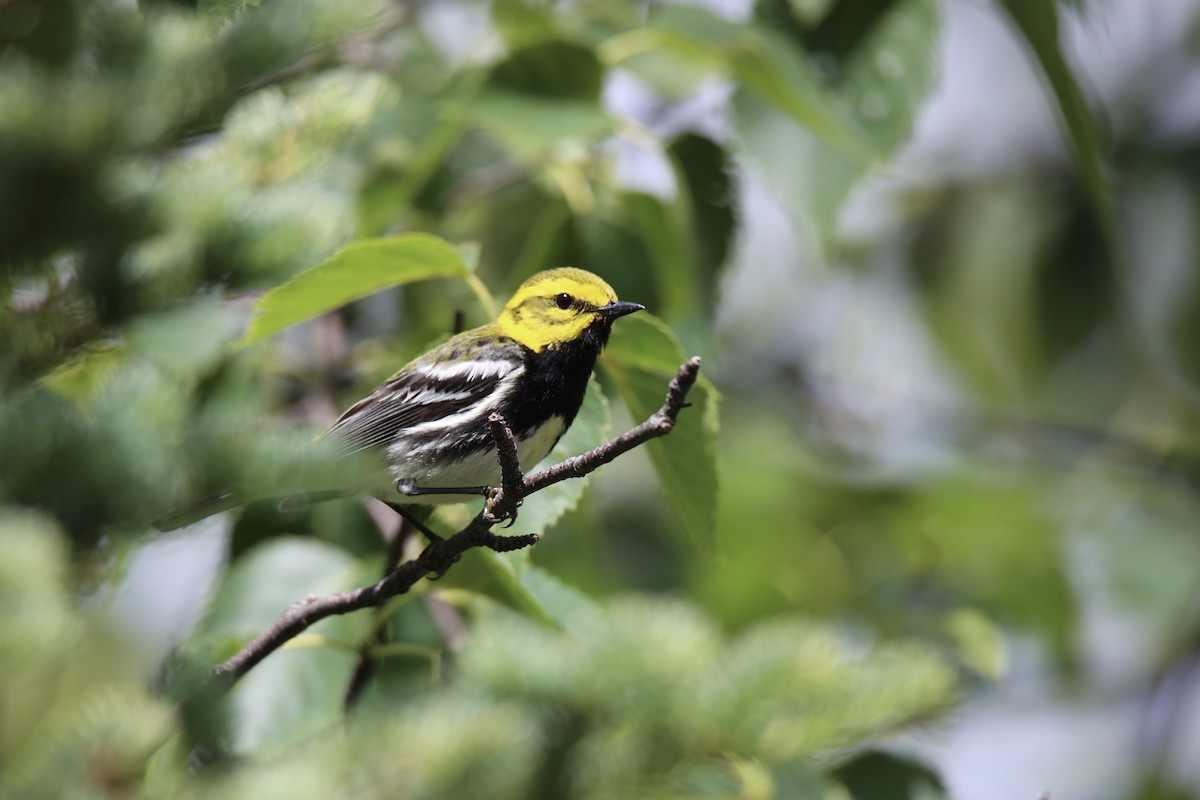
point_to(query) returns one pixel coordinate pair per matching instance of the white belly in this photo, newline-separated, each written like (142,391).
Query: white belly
(480,469)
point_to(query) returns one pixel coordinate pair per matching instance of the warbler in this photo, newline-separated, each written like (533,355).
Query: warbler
(428,423)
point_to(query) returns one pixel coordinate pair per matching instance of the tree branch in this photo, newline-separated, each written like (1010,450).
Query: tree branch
(439,556)
(348,50)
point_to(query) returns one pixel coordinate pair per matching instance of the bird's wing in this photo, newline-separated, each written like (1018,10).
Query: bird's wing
(423,396)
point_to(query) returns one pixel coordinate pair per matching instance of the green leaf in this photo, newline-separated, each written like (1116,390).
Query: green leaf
(529,125)
(891,70)
(878,775)
(787,689)
(81,377)
(645,342)
(554,69)
(663,232)
(884,78)
(811,180)
(224,9)
(801,14)
(642,357)
(1038,23)
(538,593)
(186,341)
(262,584)
(521,22)
(760,60)
(809,12)
(297,691)
(706,170)
(979,290)
(986,527)
(980,643)
(771,68)
(39,622)
(353,272)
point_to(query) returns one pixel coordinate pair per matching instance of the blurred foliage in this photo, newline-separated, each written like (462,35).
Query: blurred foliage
(221,221)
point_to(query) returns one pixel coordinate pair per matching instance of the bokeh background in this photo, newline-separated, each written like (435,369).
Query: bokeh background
(940,259)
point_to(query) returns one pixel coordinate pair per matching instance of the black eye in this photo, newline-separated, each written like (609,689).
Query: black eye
(564,301)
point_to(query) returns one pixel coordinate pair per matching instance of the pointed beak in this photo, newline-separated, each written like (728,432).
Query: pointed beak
(618,309)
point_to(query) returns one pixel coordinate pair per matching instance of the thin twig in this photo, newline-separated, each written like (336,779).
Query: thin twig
(439,556)
(342,50)
(435,560)
(367,664)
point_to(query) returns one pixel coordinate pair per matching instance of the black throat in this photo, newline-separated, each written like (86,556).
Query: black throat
(556,379)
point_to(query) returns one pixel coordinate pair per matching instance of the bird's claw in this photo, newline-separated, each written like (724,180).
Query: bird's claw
(496,515)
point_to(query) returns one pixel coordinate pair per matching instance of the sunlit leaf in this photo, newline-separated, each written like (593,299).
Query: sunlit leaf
(75,711)
(522,21)
(40,622)
(811,180)
(87,372)
(355,271)
(980,643)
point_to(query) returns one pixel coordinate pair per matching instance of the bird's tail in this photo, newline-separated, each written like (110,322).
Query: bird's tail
(202,510)
(227,500)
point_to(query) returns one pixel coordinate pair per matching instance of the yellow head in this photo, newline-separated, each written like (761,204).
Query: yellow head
(559,306)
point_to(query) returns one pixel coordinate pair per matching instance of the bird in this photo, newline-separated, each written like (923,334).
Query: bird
(426,428)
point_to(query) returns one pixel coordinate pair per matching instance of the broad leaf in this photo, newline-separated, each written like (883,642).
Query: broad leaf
(879,775)
(664,233)
(224,9)
(353,272)
(706,170)
(529,124)
(554,68)
(297,691)
(642,357)
(538,593)
(891,70)
(883,78)
(980,643)
(770,68)
(1038,22)
(87,371)
(187,341)
(519,22)
(767,64)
